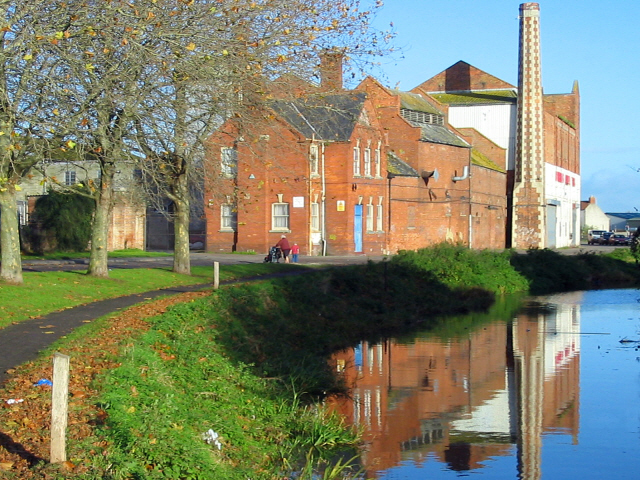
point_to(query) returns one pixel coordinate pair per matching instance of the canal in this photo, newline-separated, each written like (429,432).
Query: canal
(546,390)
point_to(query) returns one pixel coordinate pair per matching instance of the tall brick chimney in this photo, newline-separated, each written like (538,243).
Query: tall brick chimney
(529,230)
(331,71)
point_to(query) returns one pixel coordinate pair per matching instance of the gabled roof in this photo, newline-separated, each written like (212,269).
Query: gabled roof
(440,134)
(478,158)
(476,98)
(399,168)
(463,77)
(325,117)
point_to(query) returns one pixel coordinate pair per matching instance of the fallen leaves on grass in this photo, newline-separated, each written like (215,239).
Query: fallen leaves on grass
(24,438)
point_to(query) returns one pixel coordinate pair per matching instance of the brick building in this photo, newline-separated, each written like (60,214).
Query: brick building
(375,170)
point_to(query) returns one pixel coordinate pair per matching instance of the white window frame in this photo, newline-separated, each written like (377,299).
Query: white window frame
(369,216)
(356,160)
(70,177)
(377,160)
(367,162)
(280,220)
(379,215)
(315,217)
(229,162)
(313,159)
(228,217)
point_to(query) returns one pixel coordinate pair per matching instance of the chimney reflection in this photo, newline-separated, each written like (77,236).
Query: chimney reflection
(463,401)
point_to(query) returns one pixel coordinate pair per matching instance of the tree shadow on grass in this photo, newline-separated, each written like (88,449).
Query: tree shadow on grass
(289,327)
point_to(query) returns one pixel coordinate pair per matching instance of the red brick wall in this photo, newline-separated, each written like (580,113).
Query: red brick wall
(277,158)
(489,208)
(562,143)
(463,77)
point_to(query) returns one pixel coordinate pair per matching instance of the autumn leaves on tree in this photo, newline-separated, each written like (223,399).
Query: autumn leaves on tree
(141,85)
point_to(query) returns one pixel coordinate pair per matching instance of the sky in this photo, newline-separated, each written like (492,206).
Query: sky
(594,42)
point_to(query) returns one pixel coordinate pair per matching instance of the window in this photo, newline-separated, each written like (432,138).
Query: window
(313,159)
(370,217)
(315,217)
(23,214)
(228,217)
(280,217)
(377,160)
(70,177)
(379,218)
(229,162)
(356,160)
(367,162)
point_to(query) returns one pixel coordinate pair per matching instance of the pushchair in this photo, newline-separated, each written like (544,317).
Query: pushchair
(273,256)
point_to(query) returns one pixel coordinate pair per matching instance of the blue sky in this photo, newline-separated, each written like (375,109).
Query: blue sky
(596,43)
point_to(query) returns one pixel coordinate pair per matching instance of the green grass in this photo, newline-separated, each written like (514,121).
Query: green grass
(176,382)
(46,292)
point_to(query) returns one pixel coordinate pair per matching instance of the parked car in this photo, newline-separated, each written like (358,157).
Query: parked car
(594,236)
(604,238)
(618,239)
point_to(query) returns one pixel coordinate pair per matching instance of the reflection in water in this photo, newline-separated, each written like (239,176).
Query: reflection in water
(465,400)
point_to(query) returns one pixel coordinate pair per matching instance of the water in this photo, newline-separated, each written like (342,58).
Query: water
(549,392)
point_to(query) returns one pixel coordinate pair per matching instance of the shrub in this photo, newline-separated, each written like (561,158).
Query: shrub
(68,217)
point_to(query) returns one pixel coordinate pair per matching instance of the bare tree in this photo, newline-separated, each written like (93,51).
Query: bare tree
(234,48)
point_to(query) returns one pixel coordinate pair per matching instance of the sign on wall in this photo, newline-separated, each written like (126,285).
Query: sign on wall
(298,202)
(340,205)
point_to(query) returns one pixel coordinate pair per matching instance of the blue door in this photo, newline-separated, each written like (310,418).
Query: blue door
(357,229)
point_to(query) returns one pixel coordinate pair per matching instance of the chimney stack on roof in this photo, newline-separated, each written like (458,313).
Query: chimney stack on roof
(331,71)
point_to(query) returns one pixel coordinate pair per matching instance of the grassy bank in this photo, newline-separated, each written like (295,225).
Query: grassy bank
(249,362)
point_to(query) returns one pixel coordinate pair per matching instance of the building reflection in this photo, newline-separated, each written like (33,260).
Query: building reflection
(464,401)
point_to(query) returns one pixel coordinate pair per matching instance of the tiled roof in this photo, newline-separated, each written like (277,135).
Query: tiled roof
(482,160)
(325,117)
(399,168)
(476,98)
(413,101)
(440,134)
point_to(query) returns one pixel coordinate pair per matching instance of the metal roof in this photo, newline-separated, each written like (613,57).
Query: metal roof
(626,216)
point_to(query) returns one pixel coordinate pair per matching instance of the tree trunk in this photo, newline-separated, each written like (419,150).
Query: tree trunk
(98,263)
(10,263)
(181,258)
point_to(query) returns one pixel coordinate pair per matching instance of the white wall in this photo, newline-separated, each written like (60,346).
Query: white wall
(496,122)
(567,196)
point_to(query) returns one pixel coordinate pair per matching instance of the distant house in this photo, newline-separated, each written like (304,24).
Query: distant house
(592,217)
(621,222)
(128,217)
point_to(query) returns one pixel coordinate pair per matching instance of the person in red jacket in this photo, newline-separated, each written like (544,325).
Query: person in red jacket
(283,244)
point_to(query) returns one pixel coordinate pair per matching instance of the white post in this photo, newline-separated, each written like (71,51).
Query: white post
(216,275)
(59,404)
